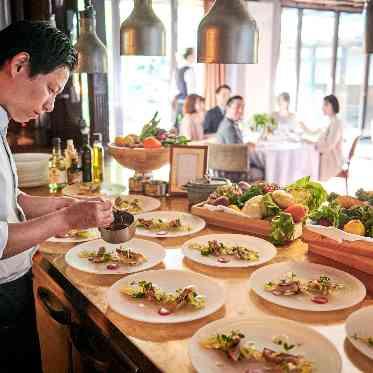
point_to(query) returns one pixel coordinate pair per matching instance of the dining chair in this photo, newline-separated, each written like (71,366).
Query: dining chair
(345,173)
(231,161)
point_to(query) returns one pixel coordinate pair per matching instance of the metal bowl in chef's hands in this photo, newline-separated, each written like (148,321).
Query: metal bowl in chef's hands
(121,230)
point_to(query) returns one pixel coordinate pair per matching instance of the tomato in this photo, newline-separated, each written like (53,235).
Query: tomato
(297,211)
(152,143)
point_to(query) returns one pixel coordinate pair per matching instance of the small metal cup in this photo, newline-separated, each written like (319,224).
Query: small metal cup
(120,235)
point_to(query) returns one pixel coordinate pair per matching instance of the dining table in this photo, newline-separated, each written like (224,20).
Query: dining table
(164,348)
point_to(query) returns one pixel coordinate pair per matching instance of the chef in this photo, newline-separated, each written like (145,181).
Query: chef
(36,60)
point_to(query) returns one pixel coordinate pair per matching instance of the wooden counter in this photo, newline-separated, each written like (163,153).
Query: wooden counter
(167,346)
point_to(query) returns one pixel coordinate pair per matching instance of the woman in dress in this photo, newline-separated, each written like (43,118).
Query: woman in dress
(191,125)
(285,120)
(330,142)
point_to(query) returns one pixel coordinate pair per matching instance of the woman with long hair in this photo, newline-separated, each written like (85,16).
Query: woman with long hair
(191,125)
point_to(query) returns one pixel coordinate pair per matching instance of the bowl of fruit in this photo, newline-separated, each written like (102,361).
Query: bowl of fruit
(148,151)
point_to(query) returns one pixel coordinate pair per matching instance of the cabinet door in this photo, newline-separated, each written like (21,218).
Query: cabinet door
(54,336)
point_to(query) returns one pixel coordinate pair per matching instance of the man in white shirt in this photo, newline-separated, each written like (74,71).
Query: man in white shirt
(35,63)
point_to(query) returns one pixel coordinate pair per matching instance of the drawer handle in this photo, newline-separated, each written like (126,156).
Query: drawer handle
(54,306)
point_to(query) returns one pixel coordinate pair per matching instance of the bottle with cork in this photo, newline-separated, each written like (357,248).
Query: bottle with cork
(98,159)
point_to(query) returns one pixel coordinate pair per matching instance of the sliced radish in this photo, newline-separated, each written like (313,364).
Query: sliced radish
(320,299)
(223,259)
(112,266)
(164,311)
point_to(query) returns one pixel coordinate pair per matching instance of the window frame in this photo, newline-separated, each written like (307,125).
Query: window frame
(365,85)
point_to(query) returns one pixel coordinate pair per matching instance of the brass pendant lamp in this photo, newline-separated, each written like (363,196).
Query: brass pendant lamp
(142,33)
(369,26)
(92,56)
(228,35)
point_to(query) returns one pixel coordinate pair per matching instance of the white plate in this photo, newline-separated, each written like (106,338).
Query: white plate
(168,280)
(314,346)
(265,249)
(106,190)
(153,252)
(95,236)
(195,223)
(147,204)
(361,323)
(353,293)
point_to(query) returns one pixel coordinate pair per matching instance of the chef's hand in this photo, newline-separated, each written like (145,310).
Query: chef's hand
(89,214)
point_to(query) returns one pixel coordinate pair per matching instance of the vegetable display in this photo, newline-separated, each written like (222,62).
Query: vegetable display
(345,213)
(151,137)
(283,208)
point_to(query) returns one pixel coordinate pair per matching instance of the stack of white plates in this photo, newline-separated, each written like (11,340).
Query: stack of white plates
(32,169)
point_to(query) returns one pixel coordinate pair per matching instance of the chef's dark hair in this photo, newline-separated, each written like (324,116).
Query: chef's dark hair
(234,98)
(48,47)
(334,102)
(223,86)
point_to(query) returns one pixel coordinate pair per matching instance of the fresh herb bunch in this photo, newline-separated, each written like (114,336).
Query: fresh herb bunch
(282,228)
(253,191)
(269,206)
(151,128)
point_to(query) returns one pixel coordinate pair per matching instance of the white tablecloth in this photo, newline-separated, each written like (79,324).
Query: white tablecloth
(286,162)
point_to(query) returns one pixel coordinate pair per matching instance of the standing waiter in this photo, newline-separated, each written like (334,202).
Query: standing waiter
(36,60)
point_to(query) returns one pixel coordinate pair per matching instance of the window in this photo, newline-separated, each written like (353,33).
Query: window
(330,59)
(139,86)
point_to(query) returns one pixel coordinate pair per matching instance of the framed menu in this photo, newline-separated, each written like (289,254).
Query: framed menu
(187,163)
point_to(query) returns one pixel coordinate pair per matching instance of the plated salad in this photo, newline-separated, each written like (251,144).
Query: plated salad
(163,226)
(224,253)
(259,360)
(133,206)
(283,208)
(169,302)
(318,290)
(367,340)
(113,259)
(78,234)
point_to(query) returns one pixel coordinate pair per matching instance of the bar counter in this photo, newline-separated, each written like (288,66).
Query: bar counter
(152,348)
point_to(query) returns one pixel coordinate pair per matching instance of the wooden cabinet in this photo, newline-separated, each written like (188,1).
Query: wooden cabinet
(54,336)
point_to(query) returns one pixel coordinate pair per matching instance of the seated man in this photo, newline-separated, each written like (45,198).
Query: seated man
(230,133)
(215,115)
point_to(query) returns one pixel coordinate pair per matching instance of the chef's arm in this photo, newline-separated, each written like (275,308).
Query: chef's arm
(35,206)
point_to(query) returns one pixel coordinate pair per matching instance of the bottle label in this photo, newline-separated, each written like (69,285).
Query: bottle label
(57,176)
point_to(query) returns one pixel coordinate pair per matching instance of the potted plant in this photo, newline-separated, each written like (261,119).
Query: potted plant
(264,123)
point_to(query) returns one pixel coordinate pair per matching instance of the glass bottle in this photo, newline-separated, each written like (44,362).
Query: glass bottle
(57,168)
(98,158)
(86,160)
(74,172)
(70,153)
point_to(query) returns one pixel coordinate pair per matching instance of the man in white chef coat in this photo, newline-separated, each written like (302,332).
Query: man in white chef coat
(36,60)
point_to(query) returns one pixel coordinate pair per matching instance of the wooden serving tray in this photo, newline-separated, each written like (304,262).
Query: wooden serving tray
(354,254)
(255,227)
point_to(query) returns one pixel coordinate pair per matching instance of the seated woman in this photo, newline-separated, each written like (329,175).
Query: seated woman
(191,125)
(286,121)
(329,143)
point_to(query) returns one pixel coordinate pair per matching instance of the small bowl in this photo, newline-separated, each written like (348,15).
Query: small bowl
(118,236)
(155,188)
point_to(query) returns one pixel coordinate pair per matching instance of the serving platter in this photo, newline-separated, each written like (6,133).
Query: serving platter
(312,345)
(265,250)
(170,281)
(147,204)
(153,252)
(353,293)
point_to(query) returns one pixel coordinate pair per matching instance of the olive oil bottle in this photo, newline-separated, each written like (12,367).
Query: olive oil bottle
(57,177)
(86,160)
(98,158)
